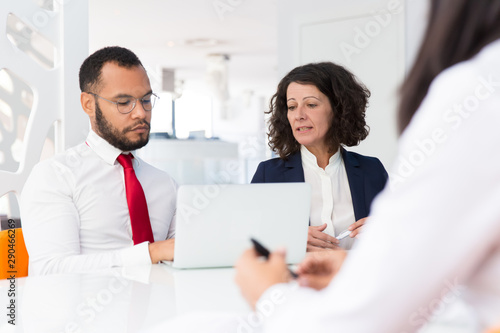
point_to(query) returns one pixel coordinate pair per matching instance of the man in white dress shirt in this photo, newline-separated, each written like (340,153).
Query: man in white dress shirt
(74,207)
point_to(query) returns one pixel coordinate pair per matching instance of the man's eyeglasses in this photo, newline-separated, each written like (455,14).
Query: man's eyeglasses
(127,104)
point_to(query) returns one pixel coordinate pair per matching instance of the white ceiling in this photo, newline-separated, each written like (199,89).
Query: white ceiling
(157,31)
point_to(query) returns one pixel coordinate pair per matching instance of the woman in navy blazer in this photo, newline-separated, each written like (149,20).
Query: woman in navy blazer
(321,108)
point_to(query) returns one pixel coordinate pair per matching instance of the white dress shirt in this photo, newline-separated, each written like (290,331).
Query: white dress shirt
(331,200)
(436,226)
(74,210)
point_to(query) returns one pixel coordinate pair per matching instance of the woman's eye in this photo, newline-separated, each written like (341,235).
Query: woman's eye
(291,108)
(312,105)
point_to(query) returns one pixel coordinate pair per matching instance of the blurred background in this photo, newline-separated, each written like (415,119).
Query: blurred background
(214,63)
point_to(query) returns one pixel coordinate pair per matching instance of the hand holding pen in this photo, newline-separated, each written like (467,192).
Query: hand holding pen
(261,250)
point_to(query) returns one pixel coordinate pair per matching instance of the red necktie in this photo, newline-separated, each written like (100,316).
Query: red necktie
(137,206)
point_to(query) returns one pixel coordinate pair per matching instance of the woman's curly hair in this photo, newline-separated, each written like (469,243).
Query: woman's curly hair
(348,98)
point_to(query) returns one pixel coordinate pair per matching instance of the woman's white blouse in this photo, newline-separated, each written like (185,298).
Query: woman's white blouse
(331,200)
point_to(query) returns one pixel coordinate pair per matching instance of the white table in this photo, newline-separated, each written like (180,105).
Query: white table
(118,300)
(142,299)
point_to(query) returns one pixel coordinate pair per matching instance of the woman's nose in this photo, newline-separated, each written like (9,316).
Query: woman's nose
(301,113)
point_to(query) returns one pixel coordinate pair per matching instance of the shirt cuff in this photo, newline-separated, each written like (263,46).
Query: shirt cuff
(273,306)
(274,297)
(136,255)
(277,293)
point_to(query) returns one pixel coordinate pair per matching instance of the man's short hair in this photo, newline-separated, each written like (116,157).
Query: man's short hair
(90,71)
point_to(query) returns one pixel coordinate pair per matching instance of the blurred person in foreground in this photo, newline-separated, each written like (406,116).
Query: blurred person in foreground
(434,231)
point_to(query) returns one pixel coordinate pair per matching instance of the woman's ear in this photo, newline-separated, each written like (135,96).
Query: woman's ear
(88,104)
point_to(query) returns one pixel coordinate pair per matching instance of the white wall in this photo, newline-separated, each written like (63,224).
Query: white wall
(416,19)
(372,38)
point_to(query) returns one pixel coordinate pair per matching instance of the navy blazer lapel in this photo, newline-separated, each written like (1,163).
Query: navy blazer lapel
(356,184)
(293,169)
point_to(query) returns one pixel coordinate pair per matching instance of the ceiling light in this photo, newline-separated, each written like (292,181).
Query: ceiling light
(202,42)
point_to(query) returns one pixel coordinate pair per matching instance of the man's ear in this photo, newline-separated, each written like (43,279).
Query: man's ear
(88,104)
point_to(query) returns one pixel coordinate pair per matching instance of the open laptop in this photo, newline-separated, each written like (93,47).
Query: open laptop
(214,223)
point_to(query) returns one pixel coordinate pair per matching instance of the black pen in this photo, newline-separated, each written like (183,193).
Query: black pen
(265,253)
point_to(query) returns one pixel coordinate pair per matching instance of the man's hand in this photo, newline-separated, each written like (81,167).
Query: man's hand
(318,268)
(162,250)
(319,241)
(356,227)
(254,275)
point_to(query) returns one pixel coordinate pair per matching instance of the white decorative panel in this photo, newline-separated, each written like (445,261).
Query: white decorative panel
(42,43)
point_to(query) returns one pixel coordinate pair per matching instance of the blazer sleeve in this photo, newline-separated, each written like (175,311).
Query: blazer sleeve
(382,175)
(259,176)
(376,178)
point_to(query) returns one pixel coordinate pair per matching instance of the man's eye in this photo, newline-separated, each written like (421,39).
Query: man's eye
(124,101)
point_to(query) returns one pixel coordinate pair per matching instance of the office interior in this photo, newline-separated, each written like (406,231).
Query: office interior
(215,64)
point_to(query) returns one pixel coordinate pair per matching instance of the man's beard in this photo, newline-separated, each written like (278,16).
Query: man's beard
(115,137)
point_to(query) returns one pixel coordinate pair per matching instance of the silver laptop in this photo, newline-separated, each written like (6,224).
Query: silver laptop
(215,222)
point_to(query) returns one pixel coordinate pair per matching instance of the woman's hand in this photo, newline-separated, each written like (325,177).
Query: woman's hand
(357,227)
(254,275)
(318,268)
(317,240)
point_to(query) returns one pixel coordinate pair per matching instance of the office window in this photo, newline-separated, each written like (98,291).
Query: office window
(193,115)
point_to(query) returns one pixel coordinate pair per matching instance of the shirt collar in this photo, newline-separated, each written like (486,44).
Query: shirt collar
(310,160)
(103,148)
